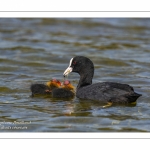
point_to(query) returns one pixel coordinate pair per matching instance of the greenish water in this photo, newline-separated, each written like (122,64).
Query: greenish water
(37,50)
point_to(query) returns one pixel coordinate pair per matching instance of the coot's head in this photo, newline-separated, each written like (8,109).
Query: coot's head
(81,65)
(66,82)
(53,82)
(56,82)
(68,85)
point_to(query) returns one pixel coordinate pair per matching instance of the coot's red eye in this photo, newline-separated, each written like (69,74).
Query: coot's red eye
(74,62)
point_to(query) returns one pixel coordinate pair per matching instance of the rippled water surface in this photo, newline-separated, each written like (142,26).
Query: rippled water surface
(37,50)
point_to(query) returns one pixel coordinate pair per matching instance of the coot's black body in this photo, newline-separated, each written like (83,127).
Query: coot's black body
(108,92)
(105,91)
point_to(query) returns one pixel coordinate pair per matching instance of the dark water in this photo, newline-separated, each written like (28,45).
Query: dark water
(37,50)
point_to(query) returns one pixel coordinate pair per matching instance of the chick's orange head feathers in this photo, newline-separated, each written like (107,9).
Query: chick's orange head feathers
(66,82)
(56,82)
(68,85)
(53,83)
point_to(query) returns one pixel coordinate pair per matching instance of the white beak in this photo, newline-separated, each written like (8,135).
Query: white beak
(67,71)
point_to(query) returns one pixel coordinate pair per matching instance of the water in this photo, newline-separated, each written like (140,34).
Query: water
(37,50)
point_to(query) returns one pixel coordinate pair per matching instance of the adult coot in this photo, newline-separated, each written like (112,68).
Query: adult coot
(105,91)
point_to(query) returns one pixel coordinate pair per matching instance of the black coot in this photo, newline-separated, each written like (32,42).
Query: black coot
(105,91)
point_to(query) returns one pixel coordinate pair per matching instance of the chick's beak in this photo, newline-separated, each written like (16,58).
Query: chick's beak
(67,71)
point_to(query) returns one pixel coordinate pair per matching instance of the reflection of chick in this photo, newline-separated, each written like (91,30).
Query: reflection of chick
(40,89)
(65,91)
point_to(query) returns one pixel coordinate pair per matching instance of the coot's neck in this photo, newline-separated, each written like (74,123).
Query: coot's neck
(86,76)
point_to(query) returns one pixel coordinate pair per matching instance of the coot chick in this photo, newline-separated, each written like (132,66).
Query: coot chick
(55,88)
(65,91)
(105,92)
(42,89)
